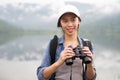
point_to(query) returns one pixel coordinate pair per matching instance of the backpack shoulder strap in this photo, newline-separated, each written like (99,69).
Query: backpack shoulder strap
(53,46)
(87,42)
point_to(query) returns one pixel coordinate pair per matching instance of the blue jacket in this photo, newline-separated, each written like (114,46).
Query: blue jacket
(45,62)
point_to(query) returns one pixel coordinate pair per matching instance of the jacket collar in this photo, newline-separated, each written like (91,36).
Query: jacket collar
(61,41)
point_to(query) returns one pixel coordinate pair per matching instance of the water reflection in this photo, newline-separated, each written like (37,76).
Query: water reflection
(24,47)
(24,52)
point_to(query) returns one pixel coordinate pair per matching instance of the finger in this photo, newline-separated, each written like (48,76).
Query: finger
(69,51)
(85,48)
(67,48)
(89,55)
(69,55)
(87,51)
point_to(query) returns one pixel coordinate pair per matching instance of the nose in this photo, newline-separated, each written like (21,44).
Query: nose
(70,24)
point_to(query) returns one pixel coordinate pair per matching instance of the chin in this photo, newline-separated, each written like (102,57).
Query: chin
(70,34)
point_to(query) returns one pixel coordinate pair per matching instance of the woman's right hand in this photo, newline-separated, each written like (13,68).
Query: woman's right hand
(65,54)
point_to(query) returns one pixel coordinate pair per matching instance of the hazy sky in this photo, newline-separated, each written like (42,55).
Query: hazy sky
(49,8)
(109,5)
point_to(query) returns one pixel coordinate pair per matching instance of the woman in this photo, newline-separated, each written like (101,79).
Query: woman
(69,21)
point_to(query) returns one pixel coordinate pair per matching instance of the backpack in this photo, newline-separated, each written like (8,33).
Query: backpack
(53,46)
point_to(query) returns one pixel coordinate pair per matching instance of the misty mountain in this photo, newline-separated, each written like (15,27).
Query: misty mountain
(104,31)
(8,32)
(5,27)
(105,23)
(32,16)
(26,15)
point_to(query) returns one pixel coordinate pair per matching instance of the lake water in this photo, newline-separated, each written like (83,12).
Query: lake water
(20,56)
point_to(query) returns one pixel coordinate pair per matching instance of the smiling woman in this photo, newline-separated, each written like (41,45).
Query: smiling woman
(68,20)
(100,23)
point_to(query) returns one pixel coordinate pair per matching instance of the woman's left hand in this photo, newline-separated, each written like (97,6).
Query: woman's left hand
(87,51)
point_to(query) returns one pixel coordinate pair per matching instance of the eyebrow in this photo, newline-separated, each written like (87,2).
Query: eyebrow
(63,18)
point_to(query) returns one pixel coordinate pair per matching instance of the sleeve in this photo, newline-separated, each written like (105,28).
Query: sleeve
(45,62)
(93,64)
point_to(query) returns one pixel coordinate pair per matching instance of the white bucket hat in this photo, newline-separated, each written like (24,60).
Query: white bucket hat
(67,9)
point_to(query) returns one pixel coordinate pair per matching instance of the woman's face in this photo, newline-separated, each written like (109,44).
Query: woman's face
(69,23)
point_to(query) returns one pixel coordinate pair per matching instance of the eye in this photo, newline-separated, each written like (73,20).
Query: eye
(65,20)
(73,19)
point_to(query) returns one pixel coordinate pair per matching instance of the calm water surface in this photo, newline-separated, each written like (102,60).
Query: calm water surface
(22,54)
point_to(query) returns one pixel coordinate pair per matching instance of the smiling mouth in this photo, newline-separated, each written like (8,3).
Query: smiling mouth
(70,30)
